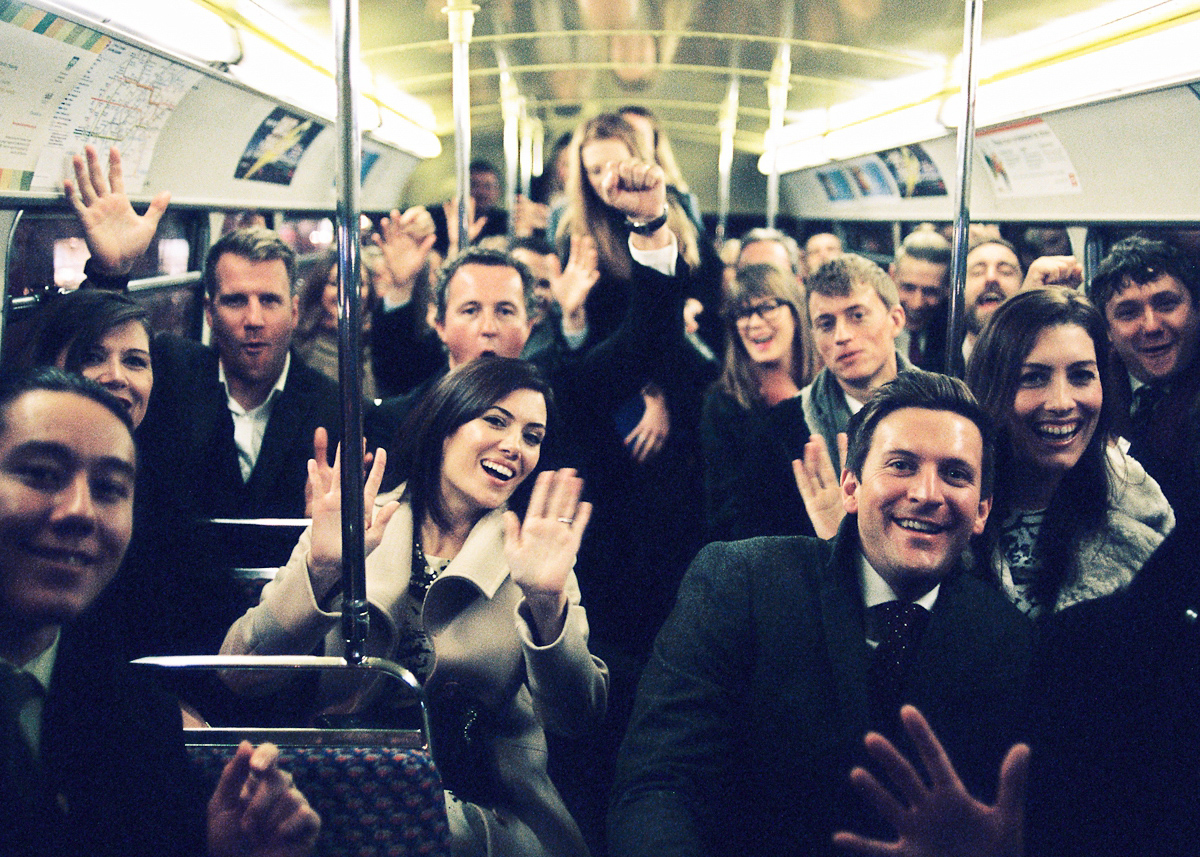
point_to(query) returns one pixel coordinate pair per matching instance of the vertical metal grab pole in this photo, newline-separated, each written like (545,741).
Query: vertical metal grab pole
(778,85)
(972,33)
(528,124)
(777,93)
(354,606)
(460,15)
(510,107)
(727,124)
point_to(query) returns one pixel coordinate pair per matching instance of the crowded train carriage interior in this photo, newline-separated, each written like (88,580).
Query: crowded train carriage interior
(679,398)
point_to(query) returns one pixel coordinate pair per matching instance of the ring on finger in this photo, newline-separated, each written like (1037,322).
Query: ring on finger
(567,521)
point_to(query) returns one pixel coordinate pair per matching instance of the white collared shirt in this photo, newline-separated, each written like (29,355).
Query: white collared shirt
(249,426)
(875,589)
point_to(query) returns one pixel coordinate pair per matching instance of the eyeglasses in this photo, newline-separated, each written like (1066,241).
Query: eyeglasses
(760,309)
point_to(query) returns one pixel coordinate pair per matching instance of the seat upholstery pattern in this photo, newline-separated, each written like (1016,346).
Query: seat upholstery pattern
(373,801)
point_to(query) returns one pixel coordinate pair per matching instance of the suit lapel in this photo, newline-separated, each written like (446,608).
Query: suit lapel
(842,616)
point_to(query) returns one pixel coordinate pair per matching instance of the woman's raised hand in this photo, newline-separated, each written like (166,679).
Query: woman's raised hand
(541,550)
(575,283)
(405,240)
(325,485)
(635,188)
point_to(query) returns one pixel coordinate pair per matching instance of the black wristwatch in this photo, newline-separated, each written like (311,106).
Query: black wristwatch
(648,227)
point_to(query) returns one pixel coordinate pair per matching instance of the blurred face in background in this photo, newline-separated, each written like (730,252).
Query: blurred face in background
(922,287)
(993,275)
(546,269)
(485,189)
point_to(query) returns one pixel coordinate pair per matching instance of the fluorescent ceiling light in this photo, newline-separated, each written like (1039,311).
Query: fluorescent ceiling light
(1061,64)
(180,26)
(406,134)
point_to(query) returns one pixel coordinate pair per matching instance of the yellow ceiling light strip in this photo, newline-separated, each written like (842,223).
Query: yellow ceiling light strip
(231,11)
(1174,18)
(902,57)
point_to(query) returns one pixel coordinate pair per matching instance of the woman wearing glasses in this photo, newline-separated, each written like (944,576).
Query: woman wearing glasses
(752,426)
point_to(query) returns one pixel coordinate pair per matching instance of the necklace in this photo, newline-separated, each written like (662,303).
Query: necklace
(422,575)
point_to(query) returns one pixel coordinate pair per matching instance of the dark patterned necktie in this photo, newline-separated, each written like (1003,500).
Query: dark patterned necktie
(1146,399)
(897,625)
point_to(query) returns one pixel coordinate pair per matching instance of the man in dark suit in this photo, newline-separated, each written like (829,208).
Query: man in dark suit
(782,652)
(227,434)
(244,410)
(1149,292)
(92,762)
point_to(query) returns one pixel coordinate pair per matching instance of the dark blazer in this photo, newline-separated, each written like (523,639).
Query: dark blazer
(749,489)
(188,419)
(1116,726)
(1168,443)
(405,352)
(113,754)
(933,355)
(753,707)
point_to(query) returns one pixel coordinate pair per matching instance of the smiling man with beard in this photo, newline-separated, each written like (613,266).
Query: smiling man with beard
(780,654)
(993,274)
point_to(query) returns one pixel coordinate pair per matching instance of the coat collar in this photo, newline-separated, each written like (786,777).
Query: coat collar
(481,560)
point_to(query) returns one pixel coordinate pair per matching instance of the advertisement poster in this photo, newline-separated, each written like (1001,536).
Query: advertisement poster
(276,148)
(1026,159)
(914,171)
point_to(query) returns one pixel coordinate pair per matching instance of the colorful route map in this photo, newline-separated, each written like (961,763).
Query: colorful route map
(96,90)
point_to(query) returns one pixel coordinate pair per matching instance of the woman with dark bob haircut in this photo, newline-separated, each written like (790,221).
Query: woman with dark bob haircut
(101,335)
(481,606)
(1074,517)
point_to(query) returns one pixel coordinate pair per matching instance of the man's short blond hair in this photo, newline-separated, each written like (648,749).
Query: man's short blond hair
(849,274)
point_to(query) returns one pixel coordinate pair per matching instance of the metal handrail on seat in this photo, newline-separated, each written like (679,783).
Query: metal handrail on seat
(301,662)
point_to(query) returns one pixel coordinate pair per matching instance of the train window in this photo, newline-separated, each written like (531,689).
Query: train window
(306,233)
(873,240)
(48,251)
(1184,235)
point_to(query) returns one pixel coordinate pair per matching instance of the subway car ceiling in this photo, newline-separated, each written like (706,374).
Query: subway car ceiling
(1086,111)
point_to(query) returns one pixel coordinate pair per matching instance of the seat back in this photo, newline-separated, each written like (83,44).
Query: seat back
(377,791)
(249,550)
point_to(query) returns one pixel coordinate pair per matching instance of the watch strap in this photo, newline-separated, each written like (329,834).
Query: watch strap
(648,227)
